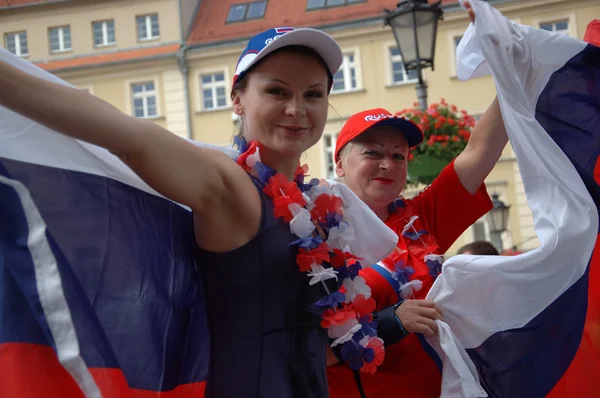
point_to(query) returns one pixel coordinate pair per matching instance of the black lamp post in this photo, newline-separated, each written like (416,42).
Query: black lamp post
(415,23)
(497,219)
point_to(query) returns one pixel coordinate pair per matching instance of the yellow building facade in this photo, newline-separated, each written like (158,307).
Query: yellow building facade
(190,82)
(369,82)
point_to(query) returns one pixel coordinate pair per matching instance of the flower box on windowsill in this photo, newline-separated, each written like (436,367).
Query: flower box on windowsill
(446,130)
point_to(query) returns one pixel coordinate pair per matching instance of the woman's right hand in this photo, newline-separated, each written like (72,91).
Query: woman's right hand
(419,316)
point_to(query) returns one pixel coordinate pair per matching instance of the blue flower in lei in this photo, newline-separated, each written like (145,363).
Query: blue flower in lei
(435,267)
(241,143)
(309,243)
(403,273)
(355,354)
(348,271)
(332,219)
(306,187)
(412,235)
(264,172)
(368,327)
(396,204)
(331,300)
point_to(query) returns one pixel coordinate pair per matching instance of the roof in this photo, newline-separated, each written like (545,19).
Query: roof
(7,4)
(210,23)
(138,54)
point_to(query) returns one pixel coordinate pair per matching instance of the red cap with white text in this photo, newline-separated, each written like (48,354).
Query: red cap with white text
(362,121)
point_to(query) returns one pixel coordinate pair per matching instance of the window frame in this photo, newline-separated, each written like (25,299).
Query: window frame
(326,6)
(147,27)
(246,10)
(328,152)
(554,18)
(61,39)
(199,91)
(390,70)
(104,26)
(18,37)
(354,51)
(130,96)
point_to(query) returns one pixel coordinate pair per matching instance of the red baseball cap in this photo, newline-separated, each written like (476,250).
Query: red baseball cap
(592,34)
(362,121)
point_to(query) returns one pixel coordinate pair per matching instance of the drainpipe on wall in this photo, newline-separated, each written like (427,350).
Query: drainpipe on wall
(183,68)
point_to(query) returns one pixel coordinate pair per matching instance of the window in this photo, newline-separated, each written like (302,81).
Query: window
(246,11)
(60,39)
(399,75)
(16,43)
(481,232)
(345,78)
(457,40)
(147,27)
(561,26)
(213,88)
(104,33)
(319,4)
(143,96)
(329,149)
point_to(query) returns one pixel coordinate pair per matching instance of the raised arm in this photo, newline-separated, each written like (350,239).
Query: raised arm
(485,145)
(483,149)
(197,177)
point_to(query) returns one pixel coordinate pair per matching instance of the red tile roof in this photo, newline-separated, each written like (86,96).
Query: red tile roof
(23,3)
(137,54)
(210,25)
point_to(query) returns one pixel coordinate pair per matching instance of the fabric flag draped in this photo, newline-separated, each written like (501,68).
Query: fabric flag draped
(514,324)
(99,293)
(580,380)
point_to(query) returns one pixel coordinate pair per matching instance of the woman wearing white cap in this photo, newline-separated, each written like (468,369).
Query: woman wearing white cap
(268,338)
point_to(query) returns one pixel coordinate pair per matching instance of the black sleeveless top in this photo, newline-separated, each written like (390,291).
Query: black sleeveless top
(265,337)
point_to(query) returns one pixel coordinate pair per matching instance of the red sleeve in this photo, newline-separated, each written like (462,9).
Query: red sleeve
(448,209)
(381,289)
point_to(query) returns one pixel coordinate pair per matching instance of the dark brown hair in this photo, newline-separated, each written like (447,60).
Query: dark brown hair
(481,247)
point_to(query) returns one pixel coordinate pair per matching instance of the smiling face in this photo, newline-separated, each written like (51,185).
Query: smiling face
(374,166)
(284,102)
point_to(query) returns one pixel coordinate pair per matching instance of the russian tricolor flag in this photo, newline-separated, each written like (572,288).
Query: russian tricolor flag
(521,319)
(99,294)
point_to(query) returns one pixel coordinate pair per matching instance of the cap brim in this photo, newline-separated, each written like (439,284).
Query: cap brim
(413,134)
(321,42)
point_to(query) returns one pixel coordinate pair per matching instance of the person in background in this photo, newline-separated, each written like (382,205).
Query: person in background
(481,247)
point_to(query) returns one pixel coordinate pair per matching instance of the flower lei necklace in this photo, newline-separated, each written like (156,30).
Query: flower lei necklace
(420,244)
(316,216)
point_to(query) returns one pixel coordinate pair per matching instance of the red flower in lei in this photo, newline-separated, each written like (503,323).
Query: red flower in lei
(284,193)
(420,244)
(343,320)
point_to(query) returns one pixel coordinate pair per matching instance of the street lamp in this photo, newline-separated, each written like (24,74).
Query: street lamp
(414,23)
(497,219)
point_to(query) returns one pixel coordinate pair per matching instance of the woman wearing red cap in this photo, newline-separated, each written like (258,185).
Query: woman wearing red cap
(371,156)
(266,242)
